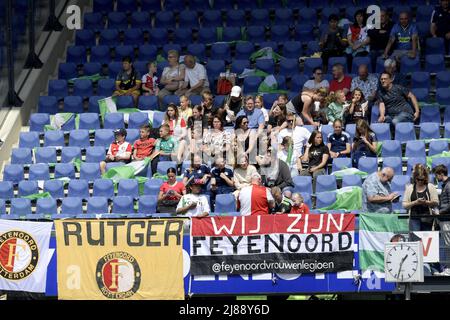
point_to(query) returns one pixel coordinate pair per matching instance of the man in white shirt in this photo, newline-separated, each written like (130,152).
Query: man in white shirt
(195,76)
(194,204)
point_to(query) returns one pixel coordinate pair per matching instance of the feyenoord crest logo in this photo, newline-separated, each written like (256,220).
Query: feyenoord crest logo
(19,255)
(118,275)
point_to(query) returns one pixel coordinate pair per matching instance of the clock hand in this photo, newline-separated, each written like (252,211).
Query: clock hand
(401,264)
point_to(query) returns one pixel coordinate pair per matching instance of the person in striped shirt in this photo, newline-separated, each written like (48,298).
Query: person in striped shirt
(255,199)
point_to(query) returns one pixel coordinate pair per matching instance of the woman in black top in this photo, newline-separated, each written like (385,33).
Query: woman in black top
(316,155)
(276,118)
(244,138)
(364,143)
(304,105)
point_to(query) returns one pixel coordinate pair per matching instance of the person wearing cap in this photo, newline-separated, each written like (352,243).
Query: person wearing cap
(233,103)
(119,150)
(255,199)
(194,204)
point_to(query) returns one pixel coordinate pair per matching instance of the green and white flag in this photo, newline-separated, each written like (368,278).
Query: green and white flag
(94,78)
(57,121)
(347,198)
(270,85)
(266,53)
(350,171)
(445,154)
(376,229)
(107,105)
(252,73)
(128,171)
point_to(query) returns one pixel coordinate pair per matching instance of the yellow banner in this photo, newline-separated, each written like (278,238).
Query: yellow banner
(120,259)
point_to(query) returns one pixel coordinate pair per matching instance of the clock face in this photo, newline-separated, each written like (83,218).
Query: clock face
(402,262)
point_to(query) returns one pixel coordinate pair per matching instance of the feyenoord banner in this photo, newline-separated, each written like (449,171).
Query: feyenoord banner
(272,243)
(24,255)
(120,259)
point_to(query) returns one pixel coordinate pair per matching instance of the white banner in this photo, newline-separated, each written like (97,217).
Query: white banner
(24,255)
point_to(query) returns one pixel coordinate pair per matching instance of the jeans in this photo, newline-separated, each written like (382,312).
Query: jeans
(401,117)
(374,54)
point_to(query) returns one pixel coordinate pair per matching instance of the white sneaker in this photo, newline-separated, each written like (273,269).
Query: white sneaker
(445,273)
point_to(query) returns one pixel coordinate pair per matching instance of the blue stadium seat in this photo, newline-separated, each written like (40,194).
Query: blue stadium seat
(137,119)
(368,164)
(103,137)
(249,5)
(117,20)
(342,60)
(415,149)
(148,52)
(269,99)
(164,165)
(132,135)
(434,46)
(148,103)
(409,65)
(45,155)
(188,19)
(357,61)
(218,101)
(198,50)
(297,82)
(423,12)
(27,187)
(269,44)
(95,154)
(76,54)
(379,65)
(223,4)
(128,187)
(391,148)
(106,87)
(232,33)
(73,104)
(133,37)
(341,163)
(328,11)
(48,104)
(237,66)
(170,99)
(79,138)
(67,71)
(281,81)
(312,47)
(113,120)
(382,131)
(93,21)
(6,190)
(307,15)
(434,63)
(302,184)
(55,188)
(256,33)
(78,188)
(235,18)
(158,118)
(123,205)
(404,131)
(170,46)
(89,121)
(54,138)
(123,51)
(292,49)
(124,102)
(399,182)
(422,94)
(325,199)
(443,79)
(251,84)
(103,188)
(38,121)
(46,206)
(147,204)
(151,186)
(58,88)
(103,6)
(420,80)
(64,170)
(20,206)
(244,50)
(211,18)
(310,64)
(92,68)
(412,161)
(215,67)
(97,205)
(207,35)
(220,51)
(437,146)
(430,113)
(174,5)
(90,171)
(284,16)
(266,65)
(39,171)
(325,183)
(70,153)
(443,96)
(429,130)
(151,5)
(225,203)
(83,88)
(304,32)
(100,54)
(438,161)
(183,36)
(351,180)
(140,20)
(109,37)
(72,205)
(394,163)
(165,19)
(21,156)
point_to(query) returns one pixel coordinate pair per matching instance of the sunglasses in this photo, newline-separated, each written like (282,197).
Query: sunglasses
(245,122)
(419,179)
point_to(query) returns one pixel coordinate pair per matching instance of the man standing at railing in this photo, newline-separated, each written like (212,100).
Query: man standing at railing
(441,174)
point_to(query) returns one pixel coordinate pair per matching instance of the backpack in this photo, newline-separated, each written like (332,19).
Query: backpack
(224,87)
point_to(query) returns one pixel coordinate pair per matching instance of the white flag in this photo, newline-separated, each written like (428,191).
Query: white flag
(24,255)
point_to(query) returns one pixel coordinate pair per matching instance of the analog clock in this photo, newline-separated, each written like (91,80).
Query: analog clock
(403,262)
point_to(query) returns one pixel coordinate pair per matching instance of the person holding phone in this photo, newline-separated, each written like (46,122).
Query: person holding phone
(377,194)
(170,193)
(420,199)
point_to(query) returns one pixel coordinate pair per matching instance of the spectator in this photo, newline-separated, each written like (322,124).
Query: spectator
(243,173)
(358,107)
(340,81)
(377,195)
(195,77)
(259,104)
(304,104)
(185,109)
(282,204)
(199,173)
(177,126)
(316,82)
(255,199)
(119,150)
(379,38)
(316,155)
(144,146)
(286,153)
(150,81)
(299,206)
(440,26)
(281,100)
(367,83)
(339,142)
(128,81)
(335,109)
(221,179)
(208,106)
(394,106)
(390,66)
(357,37)
(170,193)
(420,198)
(172,76)
(364,143)
(166,146)
(194,204)
(281,177)
(255,116)
(403,38)
(333,41)
(233,103)
(197,120)
(217,141)
(244,139)
(277,117)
